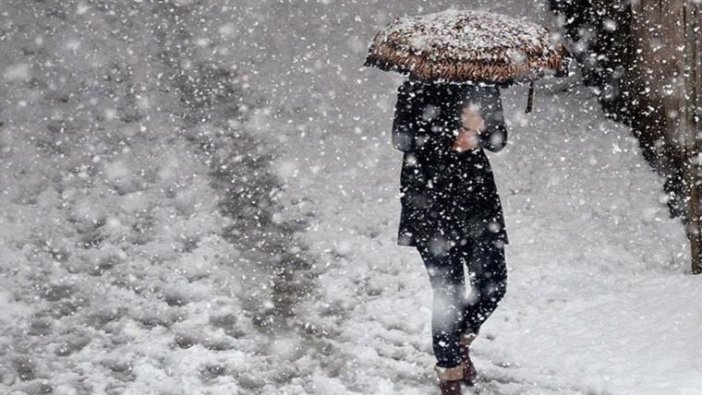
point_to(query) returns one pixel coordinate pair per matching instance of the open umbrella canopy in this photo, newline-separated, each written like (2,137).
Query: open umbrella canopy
(468,46)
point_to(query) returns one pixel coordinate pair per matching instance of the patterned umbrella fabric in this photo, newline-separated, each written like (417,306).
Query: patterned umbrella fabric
(468,46)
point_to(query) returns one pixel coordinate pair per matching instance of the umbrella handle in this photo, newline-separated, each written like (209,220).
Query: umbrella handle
(530,99)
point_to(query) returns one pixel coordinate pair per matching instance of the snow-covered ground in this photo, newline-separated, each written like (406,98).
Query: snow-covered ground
(139,253)
(130,263)
(600,300)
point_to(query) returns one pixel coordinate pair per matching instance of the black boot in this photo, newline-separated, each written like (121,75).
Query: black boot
(450,388)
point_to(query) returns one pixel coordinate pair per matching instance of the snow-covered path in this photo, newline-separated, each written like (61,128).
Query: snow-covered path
(598,299)
(140,246)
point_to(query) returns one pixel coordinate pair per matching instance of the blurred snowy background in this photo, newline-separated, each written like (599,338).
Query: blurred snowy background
(200,197)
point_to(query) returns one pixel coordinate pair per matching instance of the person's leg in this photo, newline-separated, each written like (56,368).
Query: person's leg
(488,279)
(446,275)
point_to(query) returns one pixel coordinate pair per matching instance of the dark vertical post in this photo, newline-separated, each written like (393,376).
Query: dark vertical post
(691,122)
(530,99)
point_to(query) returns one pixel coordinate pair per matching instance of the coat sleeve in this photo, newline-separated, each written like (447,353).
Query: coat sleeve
(494,137)
(403,128)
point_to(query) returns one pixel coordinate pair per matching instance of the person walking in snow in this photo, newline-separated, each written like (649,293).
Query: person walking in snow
(451,211)
(448,112)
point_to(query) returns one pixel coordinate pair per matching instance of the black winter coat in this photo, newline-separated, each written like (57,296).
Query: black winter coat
(447,196)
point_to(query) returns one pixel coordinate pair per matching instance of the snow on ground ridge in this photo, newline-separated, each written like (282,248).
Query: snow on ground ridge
(128,263)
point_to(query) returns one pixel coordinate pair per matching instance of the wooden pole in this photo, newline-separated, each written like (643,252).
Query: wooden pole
(692,71)
(694,103)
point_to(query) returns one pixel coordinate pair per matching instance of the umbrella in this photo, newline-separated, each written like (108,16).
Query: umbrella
(468,46)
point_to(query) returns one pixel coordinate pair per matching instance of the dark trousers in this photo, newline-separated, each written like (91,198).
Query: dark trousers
(455,311)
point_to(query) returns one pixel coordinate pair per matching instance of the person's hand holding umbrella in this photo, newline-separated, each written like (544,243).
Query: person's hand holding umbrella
(472,124)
